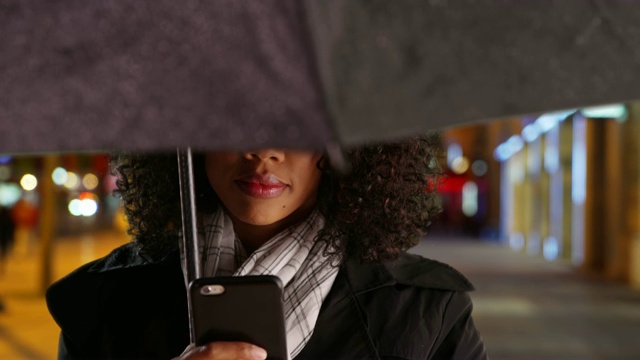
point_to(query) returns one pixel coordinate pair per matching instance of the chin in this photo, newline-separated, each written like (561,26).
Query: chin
(260,220)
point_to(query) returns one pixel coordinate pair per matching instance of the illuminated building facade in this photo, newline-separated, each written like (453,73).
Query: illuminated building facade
(564,186)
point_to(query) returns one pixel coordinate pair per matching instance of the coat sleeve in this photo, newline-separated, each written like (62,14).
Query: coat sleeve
(66,349)
(459,338)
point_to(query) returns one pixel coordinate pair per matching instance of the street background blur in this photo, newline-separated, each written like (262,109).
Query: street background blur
(541,212)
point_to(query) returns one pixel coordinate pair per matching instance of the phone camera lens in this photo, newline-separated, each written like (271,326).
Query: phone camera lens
(212,290)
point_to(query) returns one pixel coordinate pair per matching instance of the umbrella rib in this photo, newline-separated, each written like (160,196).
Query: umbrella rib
(189,231)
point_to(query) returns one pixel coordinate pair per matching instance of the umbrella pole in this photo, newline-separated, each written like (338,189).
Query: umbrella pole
(189,232)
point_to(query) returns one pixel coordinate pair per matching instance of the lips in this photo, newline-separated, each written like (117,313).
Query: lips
(261,186)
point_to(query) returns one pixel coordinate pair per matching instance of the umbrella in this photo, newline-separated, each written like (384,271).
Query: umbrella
(161,74)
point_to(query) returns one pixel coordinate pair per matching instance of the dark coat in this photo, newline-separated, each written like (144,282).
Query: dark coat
(123,306)
(7,231)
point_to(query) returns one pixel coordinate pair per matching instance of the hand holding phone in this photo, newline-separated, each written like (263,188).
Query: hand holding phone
(223,350)
(240,309)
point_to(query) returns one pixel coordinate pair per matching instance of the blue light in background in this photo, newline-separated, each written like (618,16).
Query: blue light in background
(5,159)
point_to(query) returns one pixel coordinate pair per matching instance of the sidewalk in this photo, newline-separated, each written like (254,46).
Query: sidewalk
(528,308)
(26,329)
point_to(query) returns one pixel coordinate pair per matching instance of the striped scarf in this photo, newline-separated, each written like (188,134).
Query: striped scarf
(292,255)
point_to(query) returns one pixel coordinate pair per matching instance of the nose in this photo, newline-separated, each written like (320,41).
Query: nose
(271,155)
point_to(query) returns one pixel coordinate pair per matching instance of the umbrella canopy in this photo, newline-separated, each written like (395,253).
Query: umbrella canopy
(161,74)
(155,75)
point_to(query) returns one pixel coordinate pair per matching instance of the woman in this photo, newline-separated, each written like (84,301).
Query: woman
(336,241)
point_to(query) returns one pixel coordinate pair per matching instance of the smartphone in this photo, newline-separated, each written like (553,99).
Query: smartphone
(240,308)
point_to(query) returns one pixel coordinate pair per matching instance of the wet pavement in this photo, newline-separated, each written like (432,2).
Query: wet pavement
(525,307)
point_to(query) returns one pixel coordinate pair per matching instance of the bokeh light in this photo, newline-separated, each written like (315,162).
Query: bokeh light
(72,181)
(479,167)
(460,165)
(59,176)
(88,207)
(84,207)
(28,182)
(9,194)
(470,198)
(90,181)
(454,151)
(74,207)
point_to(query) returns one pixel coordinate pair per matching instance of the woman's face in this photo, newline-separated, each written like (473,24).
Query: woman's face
(264,187)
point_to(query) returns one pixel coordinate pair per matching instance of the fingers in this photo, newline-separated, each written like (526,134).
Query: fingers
(224,351)
(235,350)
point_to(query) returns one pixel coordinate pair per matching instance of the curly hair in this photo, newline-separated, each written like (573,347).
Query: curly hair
(378,209)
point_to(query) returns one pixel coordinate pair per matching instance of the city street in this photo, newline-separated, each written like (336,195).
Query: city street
(525,308)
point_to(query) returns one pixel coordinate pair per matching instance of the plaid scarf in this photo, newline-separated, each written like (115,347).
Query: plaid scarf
(292,255)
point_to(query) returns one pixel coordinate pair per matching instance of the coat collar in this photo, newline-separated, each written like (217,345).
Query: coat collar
(408,269)
(130,256)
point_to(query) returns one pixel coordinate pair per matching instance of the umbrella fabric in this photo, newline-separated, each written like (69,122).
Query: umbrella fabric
(394,68)
(155,75)
(158,74)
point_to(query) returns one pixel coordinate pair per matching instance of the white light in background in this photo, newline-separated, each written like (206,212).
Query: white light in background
(550,248)
(454,151)
(88,207)
(508,148)
(501,153)
(578,189)
(515,144)
(551,153)
(74,207)
(531,132)
(579,163)
(28,182)
(72,181)
(470,198)
(547,121)
(85,207)
(59,176)
(9,194)
(613,111)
